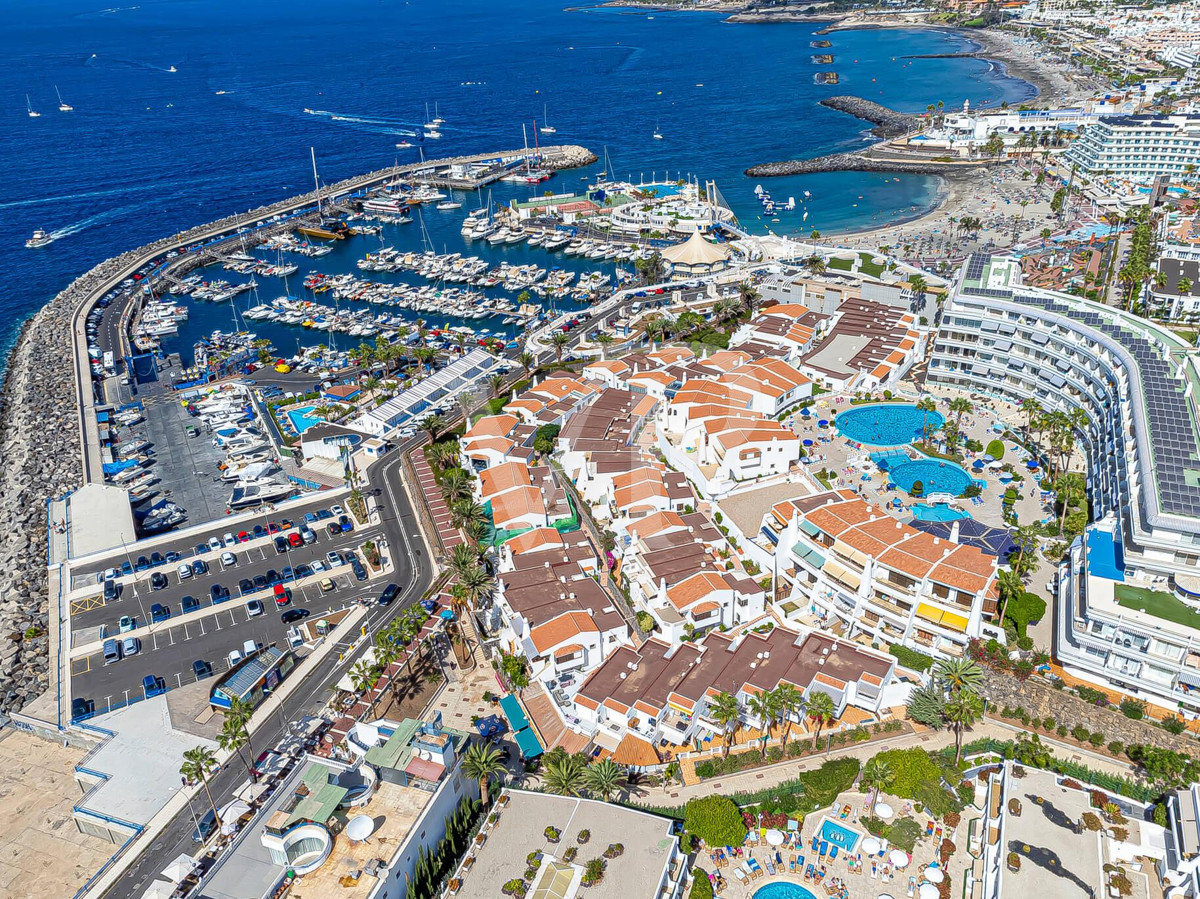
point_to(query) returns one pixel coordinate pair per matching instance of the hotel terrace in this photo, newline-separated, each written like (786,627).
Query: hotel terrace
(1127,599)
(663,692)
(851,567)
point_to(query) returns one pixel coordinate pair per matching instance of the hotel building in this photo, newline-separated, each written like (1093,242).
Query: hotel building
(1127,596)
(1138,147)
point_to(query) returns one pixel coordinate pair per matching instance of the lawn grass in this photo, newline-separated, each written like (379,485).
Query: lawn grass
(1156,603)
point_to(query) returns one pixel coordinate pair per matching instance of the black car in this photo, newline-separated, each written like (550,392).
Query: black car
(390,592)
(218,593)
(173,556)
(199,567)
(157,559)
(158,581)
(303,571)
(273,577)
(111,590)
(334,529)
(142,564)
(159,612)
(357,566)
(281,545)
(324,514)
(207,825)
(189,604)
(201,669)
(260,582)
(126,568)
(293,615)
(82,708)
(259,531)
(245,585)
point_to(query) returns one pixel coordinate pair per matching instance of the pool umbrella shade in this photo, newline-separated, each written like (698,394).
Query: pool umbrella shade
(898,858)
(823,423)
(883,810)
(230,815)
(870,846)
(807,442)
(929,891)
(159,890)
(1031,464)
(775,837)
(934,875)
(180,868)
(977,465)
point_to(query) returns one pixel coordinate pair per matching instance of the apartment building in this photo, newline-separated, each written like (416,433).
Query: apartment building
(1126,598)
(852,568)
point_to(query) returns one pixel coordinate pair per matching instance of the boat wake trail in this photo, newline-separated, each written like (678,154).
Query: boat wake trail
(97,219)
(359,119)
(37,201)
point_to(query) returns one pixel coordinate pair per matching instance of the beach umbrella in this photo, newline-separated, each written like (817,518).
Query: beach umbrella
(1031,464)
(230,815)
(934,875)
(775,837)
(180,868)
(884,811)
(977,465)
(807,442)
(805,413)
(870,846)
(929,891)
(988,458)
(898,858)
(823,423)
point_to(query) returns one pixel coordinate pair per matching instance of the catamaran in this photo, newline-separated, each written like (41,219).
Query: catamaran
(546,126)
(63,105)
(33,113)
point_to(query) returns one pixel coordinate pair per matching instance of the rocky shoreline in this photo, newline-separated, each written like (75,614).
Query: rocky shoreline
(888,123)
(40,435)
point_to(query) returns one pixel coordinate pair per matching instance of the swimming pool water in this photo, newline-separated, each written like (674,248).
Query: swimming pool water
(925,512)
(886,424)
(842,837)
(302,419)
(783,890)
(935,476)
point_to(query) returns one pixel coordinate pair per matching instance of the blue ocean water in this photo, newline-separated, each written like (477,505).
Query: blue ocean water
(148,151)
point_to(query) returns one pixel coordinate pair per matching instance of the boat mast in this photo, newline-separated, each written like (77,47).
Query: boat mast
(316,181)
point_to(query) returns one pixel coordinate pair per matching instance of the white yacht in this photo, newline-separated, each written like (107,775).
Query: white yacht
(63,105)
(33,113)
(40,239)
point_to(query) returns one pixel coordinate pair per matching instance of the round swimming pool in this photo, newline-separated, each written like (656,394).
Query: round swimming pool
(782,890)
(935,476)
(886,424)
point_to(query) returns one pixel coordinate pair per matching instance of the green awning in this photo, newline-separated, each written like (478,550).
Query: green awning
(514,713)
(808,527)
(527,742)
(319,806)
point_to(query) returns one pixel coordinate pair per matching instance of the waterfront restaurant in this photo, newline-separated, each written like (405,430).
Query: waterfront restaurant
(696,256)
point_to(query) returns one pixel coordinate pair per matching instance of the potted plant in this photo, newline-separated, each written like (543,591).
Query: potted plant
(583,836)
(614,850)
(553,834)
(454,885)
(1014,862)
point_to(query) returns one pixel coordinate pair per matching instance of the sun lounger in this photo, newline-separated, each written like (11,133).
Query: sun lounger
(808,872)
(824,848)
(814,843)
(832,852)
(770,868)
(912,885)
(739,875)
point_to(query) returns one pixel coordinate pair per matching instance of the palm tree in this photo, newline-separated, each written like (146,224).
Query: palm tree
(926,405)
(962,710)
(919,285)
(560,339)
(526,359)
(726,711)
(1033,410)
(483,762)
(425,355)
(496,384)
(237,718)
(961,406)
(605,778)
(462,559)
(466,512)
(362,676)
(821,712)
(747,295)
(432,425)
(762,706)
(476,583)
(876,776)
(198,763)
(788,702)
(564,776)
(232,738)
(604,340)
(456,485)
(958,675)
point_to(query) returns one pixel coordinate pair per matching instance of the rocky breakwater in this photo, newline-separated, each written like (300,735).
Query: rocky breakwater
(567,157)
(888,123)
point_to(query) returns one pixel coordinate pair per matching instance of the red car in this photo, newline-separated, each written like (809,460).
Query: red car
(272,527)
(295,539)
(243,536)
(282,595)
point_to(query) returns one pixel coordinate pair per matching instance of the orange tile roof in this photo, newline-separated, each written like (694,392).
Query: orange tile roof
(569,650)
(504,477)
(538,538)
(657,523)
(515,505)
(564,627)
(695,588)
(493,426)
(635,751)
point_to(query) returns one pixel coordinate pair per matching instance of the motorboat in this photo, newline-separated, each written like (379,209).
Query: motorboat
(40,239)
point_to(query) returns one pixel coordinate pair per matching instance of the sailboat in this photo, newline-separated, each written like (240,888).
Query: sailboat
(546,128)
(33,114)
(431,125)
(437,116)
(63,105)
(657,134)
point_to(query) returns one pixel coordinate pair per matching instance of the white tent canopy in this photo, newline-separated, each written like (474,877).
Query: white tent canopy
(180,868)
(159,890)
(696,252)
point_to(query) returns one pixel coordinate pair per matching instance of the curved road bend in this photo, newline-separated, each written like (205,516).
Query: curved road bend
(413,571)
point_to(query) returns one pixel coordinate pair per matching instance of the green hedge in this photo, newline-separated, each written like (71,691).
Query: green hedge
(910,658)
(701,887)
(995,449)
(715,819)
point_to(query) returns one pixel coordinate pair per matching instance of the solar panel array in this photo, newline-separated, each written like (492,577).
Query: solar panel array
(1173,438)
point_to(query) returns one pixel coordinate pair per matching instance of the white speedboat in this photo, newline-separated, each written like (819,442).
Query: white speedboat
(448,204)
(40,239)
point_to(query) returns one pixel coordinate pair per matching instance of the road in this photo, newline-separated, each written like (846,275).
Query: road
(414,574)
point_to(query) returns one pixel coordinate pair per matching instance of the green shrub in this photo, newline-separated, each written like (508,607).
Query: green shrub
(1132,708)
(716,820)
(911,768)
(1096,739)
(1174,725)
(823,785)
(1116,747)
(1080,733)
(995,449)
(910,658)
(701,888)
(1024,608)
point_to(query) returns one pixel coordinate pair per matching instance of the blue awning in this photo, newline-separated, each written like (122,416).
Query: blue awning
(514,713)
(527,742)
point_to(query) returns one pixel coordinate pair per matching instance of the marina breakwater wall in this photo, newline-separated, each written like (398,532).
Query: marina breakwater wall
(888,123)
(41,432)
(861,162)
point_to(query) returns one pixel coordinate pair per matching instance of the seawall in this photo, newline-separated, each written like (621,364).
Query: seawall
(40,425)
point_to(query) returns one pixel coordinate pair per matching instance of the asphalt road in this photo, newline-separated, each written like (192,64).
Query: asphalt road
(414,574)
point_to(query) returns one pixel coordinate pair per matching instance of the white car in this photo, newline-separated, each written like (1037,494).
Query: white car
(254,608)
(184,570)
(110,574)
(230,540)
(317,565)
(214,543)
(233,658)
(337,511)
(228,559)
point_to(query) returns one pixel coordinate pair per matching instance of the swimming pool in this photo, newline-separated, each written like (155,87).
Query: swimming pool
(783,890)
(302,418)
(935,476)
(886,424)
(924,512)
(838,835)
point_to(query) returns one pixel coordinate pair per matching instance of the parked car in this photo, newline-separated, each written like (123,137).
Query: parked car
(153,685)
(228,559)
(293,615)
(334,530)
(233,658)
(254,608)
(307,535)
(159,612)
(359,571)
(127,623)
(202,548)
(245,585)
(206,827)
(199,567)
(229,540)
(346,525)
(184,570)
(131,646)
(157,559)
(260,582)
(218,593)
(111,591)
(112,651)
(188,604)
(337,510)
(282,595)
(326,585)
(82,708)
(201,669)
(273,577)
(158,581)
(334,558)
(294,539)
(214,543)
(281,545)
(142,564)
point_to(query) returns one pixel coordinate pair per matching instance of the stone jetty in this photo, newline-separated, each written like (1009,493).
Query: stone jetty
(40,429)
(888,123)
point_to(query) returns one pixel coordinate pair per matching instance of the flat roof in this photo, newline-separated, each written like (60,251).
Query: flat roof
(99,517)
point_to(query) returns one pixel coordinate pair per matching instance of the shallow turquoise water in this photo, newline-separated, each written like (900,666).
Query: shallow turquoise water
(924,512)
(301,419)
(935,476)
(783,890)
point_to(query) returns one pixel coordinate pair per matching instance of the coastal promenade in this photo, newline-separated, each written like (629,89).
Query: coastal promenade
(47,426)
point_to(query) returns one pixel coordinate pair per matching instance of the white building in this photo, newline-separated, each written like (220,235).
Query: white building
(1138,147)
